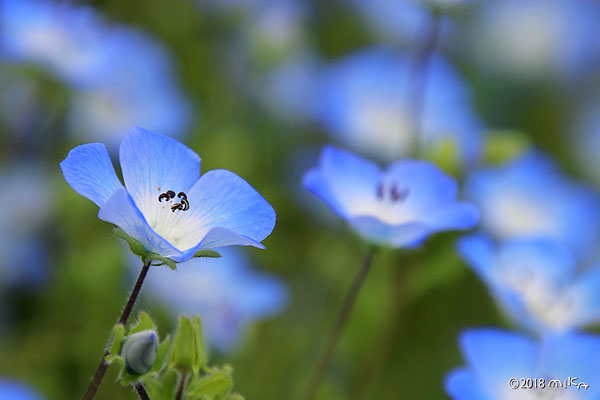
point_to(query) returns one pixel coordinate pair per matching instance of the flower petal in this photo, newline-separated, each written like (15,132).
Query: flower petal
(221,199)
(121,211)
(373,230)
(88,170)
(462,384)
(461,215)
(314,181)
(153,164)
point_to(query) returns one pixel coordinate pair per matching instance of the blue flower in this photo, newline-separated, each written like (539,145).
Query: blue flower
(529,197)
(536,281)
(165,204)
(495,357)
(226,293)
(362,102)
(13,390)
(537,38)
(397,207)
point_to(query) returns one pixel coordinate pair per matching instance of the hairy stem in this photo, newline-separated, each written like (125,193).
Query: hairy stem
(339,324)
(101,370)
(181,387)
(139,387)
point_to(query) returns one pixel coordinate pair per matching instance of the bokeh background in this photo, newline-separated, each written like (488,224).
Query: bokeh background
(257,87)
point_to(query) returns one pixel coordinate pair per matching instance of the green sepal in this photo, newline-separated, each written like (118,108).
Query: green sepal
(115,346)
(144,323)
(183,353)
(213,387)
(200,360)
(163,388)
(444,153)
(503,146)
(207,253)
(139,250)
(161,354)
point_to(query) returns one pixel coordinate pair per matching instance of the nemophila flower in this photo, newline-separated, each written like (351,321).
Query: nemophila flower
(396,207)
(536,281)
(537,38)
(13,390)
(499,364)
(363,102)
(226,293)
(530,197)
(165,204)
(119,75)
(24,258)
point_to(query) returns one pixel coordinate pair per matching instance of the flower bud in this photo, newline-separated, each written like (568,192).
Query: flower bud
(139,351)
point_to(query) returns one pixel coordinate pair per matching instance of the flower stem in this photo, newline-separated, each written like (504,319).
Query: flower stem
(181,387)
(99,375)
(139,387)
(339,324)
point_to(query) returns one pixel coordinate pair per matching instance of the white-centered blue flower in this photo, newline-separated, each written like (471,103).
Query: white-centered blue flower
(364,99)
(530,197)
(495,357)
(536,282)
(226,293)
(396,207)
(165,204)
(13,390)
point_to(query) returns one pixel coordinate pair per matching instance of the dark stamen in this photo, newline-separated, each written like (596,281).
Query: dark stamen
(379,191)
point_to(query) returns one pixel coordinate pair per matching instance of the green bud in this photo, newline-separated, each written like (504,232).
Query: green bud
(139,351)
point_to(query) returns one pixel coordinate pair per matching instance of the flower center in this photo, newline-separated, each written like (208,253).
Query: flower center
(391,192)
(169,195)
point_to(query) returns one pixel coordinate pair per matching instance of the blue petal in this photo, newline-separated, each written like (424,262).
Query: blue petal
(314,181)
(497,356)
(479,253)
(462,384)
(153,164)
(459,215)
(585,295)
(377,232)
(351,180)
(14,390)
(121,211)
(223,200)
(90,173)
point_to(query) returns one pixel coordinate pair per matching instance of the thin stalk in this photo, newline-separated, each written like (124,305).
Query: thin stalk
(339,324)
(101,370)
(181,387)
(139,387)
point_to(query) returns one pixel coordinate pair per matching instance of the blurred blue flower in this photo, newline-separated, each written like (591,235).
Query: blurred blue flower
(363,102)
(120,76)
(530,197)
(536,282)
(165,204)
(24,258)
(537,38)
(494,357)
(13,390)
(226,293)
(397,207)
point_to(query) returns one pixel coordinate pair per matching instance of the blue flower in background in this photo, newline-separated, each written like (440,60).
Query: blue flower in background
(536,281)
(226,293)
(24,258)
(530,197)
(397,207)
(13,390)
(536,38)
(120,77)
(494,357)
(165,204)
(362,102)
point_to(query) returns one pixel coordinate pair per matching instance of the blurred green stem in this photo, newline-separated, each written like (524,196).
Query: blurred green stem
(139,387)
(99,375)
(340,323)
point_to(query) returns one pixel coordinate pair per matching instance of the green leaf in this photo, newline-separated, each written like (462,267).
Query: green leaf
(235,396)
(183,353)
(115,346)
(200,359)
(163,388)
(144,323)
(212,387)
(207,253)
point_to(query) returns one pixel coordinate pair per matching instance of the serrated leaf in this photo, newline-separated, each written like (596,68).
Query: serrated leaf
(207,253)
(160,355)
(212,387)
(183,351)
(144,323)
(200,359)
(115,346)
